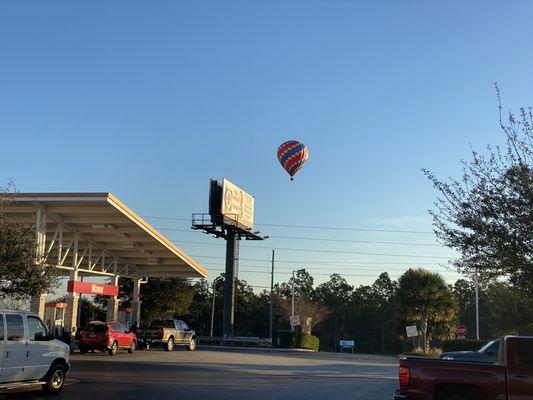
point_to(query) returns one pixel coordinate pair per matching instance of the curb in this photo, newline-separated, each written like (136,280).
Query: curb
(263,349)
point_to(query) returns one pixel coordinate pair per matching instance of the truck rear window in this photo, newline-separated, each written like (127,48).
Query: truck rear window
(96,328)
(524,355)
(162,324)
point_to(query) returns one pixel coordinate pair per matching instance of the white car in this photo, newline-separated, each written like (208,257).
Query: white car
(30,355)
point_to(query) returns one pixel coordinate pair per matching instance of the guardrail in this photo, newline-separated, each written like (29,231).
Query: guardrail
(235,341)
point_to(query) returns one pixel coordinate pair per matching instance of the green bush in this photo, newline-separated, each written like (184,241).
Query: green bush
(462,345)
(309,342)
(296,340)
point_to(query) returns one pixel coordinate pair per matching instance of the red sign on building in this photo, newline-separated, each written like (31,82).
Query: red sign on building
(92,288)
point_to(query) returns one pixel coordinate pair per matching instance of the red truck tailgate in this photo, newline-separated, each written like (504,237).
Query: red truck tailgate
(427,375)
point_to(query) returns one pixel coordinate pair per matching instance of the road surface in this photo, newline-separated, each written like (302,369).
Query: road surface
(224,374)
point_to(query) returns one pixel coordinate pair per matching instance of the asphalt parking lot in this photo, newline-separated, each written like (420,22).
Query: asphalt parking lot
(225,374)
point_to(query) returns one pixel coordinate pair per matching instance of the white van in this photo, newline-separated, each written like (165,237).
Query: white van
(29,355)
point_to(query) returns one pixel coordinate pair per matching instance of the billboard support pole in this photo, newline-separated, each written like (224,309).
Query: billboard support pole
(229,282)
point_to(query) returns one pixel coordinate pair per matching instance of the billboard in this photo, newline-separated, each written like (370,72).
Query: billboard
(237,205)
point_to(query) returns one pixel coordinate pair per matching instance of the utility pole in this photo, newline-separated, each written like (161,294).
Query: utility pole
(213,310)
(272,298)
(292,302)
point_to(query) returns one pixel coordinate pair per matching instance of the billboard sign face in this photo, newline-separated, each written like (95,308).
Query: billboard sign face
(412,331)
(237,205)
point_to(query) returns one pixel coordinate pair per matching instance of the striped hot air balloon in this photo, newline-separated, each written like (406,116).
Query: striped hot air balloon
(292,156)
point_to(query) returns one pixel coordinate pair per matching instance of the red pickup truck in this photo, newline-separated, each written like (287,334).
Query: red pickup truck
(511,378)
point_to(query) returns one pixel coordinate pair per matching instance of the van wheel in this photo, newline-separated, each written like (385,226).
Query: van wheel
(55,379)
(83,349)
(192,345)
(170,344)
(113,349)
(132,347)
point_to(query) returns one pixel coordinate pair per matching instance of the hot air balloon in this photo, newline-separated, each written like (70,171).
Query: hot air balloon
(292,156)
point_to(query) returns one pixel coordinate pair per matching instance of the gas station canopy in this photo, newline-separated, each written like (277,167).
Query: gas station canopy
(95,233)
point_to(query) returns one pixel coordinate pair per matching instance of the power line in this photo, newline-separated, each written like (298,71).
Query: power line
(358,267)
(321,239)
(356,241)
(317,262)
(310,226)
(290,273)
(325,251)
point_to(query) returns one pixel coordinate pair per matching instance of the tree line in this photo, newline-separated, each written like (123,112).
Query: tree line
(374,315)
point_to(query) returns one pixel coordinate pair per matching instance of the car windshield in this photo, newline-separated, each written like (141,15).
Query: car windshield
(97,328)
(494,343)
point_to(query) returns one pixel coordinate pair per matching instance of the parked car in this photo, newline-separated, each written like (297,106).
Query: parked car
(108,337)
(168,332)
(487,354)
(29,353)
(511,378)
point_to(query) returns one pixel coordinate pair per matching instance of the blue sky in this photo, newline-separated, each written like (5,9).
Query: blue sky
(148,100)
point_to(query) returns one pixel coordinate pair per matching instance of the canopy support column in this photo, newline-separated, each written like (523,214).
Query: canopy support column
(72,299)
(37,302)
(112,302)
(136,302)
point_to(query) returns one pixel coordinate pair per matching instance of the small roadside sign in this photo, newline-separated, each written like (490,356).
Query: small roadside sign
(412,331)
(461,332)
(347,344)
(295,320)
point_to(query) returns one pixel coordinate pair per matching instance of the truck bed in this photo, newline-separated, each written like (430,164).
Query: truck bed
(434,375)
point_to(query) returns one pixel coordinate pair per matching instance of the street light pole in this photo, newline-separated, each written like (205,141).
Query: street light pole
(477,305)
(292,301)
(271,298)
(213,310)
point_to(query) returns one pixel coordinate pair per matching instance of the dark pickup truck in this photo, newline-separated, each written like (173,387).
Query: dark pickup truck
(511,378)
(487,354)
